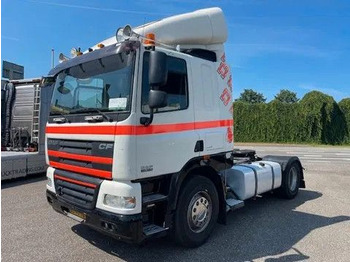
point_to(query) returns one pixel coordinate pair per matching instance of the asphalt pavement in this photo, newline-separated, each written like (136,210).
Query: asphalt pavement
(315,226)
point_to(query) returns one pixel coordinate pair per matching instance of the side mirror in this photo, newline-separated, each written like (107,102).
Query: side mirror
(158,69)
(158,76)
(157,99)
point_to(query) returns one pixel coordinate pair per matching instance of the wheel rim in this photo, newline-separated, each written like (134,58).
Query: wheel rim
(199,211)
(293,178)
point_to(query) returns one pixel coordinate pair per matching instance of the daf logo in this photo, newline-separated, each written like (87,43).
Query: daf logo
(105,146)
(52,142)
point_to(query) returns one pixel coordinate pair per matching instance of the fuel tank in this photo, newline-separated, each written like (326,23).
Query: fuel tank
(250,179)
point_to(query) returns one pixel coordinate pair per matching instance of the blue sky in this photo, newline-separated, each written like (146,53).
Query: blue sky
(278,44)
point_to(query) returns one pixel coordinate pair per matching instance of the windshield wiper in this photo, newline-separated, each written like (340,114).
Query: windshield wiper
(92,118)
(62,119)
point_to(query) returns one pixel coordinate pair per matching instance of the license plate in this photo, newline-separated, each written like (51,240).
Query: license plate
(76,215)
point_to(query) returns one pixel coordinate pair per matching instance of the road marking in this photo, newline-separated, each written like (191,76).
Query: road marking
(327,158)
(317,161)
(313,156)
(342,154)
(295,152)
(302,152)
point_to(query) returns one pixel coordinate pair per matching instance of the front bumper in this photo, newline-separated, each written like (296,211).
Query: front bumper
(128,228)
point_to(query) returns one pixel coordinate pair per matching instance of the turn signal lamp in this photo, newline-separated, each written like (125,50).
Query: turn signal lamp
(100,45)
(206,157)
(149,40)
(49,182)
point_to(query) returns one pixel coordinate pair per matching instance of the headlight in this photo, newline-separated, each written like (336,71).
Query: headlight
(119,201)
(49,182)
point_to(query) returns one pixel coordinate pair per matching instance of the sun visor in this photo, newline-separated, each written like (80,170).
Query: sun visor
(96,54)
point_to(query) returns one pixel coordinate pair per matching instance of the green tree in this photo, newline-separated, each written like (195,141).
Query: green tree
(322,119)
(252,97)
(345,108)
(286,96)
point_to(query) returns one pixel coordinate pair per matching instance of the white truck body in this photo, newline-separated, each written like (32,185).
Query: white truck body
(24,118)
(127,150)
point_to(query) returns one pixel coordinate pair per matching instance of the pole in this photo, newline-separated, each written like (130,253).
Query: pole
(52,58)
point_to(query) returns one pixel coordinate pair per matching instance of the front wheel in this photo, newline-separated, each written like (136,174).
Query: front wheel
(197,212)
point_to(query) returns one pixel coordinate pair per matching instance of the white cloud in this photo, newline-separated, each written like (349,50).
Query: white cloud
(9,38)
(255,39)
(337,94)
(251,50)
(99,8)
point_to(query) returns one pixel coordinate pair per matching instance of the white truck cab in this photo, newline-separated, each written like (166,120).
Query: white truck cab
(139,140)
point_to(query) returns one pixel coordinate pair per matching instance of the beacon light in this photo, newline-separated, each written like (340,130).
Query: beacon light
(149,40)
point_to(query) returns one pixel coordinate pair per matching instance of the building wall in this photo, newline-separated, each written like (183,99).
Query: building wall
(12,71)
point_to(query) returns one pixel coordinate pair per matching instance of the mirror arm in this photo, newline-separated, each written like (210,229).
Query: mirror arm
(146,121)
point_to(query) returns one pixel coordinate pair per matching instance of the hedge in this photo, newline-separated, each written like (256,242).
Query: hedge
(317,118)
(345,108)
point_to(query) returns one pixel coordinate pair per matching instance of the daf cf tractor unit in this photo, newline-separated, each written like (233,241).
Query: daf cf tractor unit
(139,140)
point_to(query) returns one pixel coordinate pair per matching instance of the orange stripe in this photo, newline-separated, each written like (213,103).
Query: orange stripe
(154,129)
(82,130)
(213,124)
(95,159)
(137,130)
(75,181)
(83,170)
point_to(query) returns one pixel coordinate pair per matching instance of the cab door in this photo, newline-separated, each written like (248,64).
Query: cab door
(168,143)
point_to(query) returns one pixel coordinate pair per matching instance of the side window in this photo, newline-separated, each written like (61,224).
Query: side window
(176,86)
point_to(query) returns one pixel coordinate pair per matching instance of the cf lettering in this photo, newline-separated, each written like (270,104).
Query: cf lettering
(105,146)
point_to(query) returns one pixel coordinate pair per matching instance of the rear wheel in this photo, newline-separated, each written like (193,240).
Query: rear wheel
(197,212)
(291,181)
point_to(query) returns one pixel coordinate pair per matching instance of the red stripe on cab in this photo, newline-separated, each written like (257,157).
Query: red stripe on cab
(138,130)
(95,159)
(75,181)
(81,130)
(82,170)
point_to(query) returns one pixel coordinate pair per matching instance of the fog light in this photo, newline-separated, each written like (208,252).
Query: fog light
(49,182)
(120,202)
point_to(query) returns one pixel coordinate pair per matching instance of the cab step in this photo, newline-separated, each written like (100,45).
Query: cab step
(153,198)
(154,231)
(233,204)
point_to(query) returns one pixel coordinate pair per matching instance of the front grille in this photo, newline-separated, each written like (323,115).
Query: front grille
(77,189)
(80,168)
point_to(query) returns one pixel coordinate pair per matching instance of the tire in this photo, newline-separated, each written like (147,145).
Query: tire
(290,181)
(196,213)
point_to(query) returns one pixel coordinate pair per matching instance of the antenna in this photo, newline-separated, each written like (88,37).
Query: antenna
(52,58)
(143,29)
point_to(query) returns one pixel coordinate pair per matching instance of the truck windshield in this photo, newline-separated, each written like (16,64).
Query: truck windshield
(103,84)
